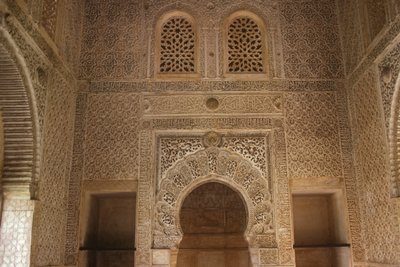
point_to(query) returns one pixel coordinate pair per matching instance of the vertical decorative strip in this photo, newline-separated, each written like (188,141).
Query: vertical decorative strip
(284,229)
(74,185)
(144,201)
(349,177)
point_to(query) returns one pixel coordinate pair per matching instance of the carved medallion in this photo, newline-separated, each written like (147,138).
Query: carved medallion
(212,139)
(212,103)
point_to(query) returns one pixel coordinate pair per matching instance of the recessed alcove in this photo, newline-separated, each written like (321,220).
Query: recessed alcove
(319,230)
(108,230)
(213,219)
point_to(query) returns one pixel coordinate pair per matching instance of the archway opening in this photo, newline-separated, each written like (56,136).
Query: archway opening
(213,219)
(18,158)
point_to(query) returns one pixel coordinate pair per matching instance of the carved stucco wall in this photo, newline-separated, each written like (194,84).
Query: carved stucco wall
(361,23)
(313,141)
(221,165)
(240,159)
(55,89)
(302,37)
(110,113)
(313,132)
(389,73)
(117,122)
(111,148)
(369,38)
(310,39)
(378,210)
(51,209)
(112,40)
(349,22)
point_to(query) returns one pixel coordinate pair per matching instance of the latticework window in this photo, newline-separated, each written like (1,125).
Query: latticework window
(177,46)
(49,16)
(245,46)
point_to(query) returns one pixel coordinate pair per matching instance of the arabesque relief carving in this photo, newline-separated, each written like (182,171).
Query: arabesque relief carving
(270,91)
(212,164)
(370,149)
(227,104)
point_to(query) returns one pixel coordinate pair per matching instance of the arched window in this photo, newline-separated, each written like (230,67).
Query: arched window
(245,49)
(176,45)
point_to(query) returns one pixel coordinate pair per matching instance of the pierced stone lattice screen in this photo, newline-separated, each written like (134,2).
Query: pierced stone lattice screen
(49,16)
(177,46)
(245,46)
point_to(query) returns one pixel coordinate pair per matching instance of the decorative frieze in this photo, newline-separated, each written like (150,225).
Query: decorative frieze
(193,105)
